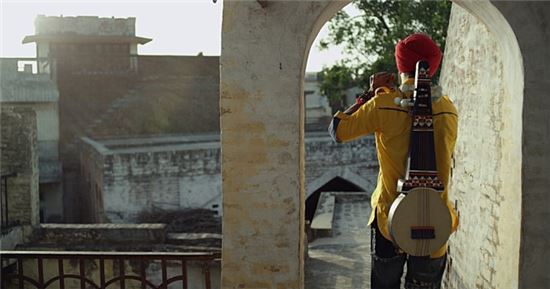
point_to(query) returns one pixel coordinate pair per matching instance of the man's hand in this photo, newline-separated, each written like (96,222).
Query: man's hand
(380,79)
(377,80)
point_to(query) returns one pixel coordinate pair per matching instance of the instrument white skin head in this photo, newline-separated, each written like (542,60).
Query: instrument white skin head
(420,221)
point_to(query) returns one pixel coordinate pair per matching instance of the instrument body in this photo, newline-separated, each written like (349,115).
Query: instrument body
(419,220)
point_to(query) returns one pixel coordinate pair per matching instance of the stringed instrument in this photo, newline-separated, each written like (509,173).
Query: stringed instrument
(419,220)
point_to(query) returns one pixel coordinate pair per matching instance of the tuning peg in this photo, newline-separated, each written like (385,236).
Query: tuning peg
(403,102)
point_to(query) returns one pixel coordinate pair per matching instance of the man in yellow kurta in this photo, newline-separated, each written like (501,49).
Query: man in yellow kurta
(391,125)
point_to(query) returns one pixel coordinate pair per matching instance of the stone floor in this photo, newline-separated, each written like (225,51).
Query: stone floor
(343,260)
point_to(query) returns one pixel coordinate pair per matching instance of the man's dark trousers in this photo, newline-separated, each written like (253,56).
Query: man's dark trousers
(388,263)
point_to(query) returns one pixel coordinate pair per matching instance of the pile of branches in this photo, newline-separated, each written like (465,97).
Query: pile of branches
(191,220)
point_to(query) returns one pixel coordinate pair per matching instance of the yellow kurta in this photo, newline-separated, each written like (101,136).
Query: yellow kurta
(391,125)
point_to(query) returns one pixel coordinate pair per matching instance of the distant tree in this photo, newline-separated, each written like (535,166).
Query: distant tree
(369,39)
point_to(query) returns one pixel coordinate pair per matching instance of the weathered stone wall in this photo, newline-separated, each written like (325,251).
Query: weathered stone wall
(355,162)
(126,181)
(20,157)
(136,182)
(486,182)
(120,183)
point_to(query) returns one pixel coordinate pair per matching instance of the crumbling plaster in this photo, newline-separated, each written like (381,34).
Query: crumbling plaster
(486,176)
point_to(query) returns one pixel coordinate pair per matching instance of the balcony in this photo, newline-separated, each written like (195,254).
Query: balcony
(68,270)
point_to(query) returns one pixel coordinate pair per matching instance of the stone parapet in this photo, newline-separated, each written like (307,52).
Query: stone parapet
(86,234)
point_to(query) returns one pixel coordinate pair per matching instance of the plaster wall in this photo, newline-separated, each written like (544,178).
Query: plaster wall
(529,20)
(47,121)
(486,182)
(264,50)
(47,128)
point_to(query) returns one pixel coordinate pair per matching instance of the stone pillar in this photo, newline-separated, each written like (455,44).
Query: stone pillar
(264,50)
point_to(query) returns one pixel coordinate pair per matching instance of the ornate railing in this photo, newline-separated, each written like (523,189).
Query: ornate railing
(27,269)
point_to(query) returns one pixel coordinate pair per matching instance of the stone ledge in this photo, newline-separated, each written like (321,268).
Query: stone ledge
(104,226)
(321,225)
(209,240)
(104,233)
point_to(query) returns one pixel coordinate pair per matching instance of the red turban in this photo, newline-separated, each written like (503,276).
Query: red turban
(417,47)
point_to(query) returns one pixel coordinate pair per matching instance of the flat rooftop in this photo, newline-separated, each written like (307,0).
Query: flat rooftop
(107,146)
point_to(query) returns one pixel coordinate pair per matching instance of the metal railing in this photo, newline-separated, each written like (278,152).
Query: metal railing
(13,276)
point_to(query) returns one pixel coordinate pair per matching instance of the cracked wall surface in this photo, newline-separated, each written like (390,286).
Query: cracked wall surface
(473,77)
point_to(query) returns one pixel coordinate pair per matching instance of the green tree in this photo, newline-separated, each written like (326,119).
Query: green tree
(369,38)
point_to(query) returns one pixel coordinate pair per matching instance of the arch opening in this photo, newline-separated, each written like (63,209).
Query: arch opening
(505,75)
(337,184)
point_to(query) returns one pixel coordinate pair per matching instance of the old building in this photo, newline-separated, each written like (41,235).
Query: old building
(24,86)
(106,89)
(86,44)
(318,111)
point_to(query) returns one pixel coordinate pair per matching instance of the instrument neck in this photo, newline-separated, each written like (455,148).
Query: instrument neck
(422,148)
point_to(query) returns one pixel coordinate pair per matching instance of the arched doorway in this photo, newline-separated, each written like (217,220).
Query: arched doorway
(337,184)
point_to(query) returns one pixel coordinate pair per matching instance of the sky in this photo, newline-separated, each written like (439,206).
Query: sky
(177,27)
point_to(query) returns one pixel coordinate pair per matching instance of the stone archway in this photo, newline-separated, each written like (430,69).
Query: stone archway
(264,50)
(360,182)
